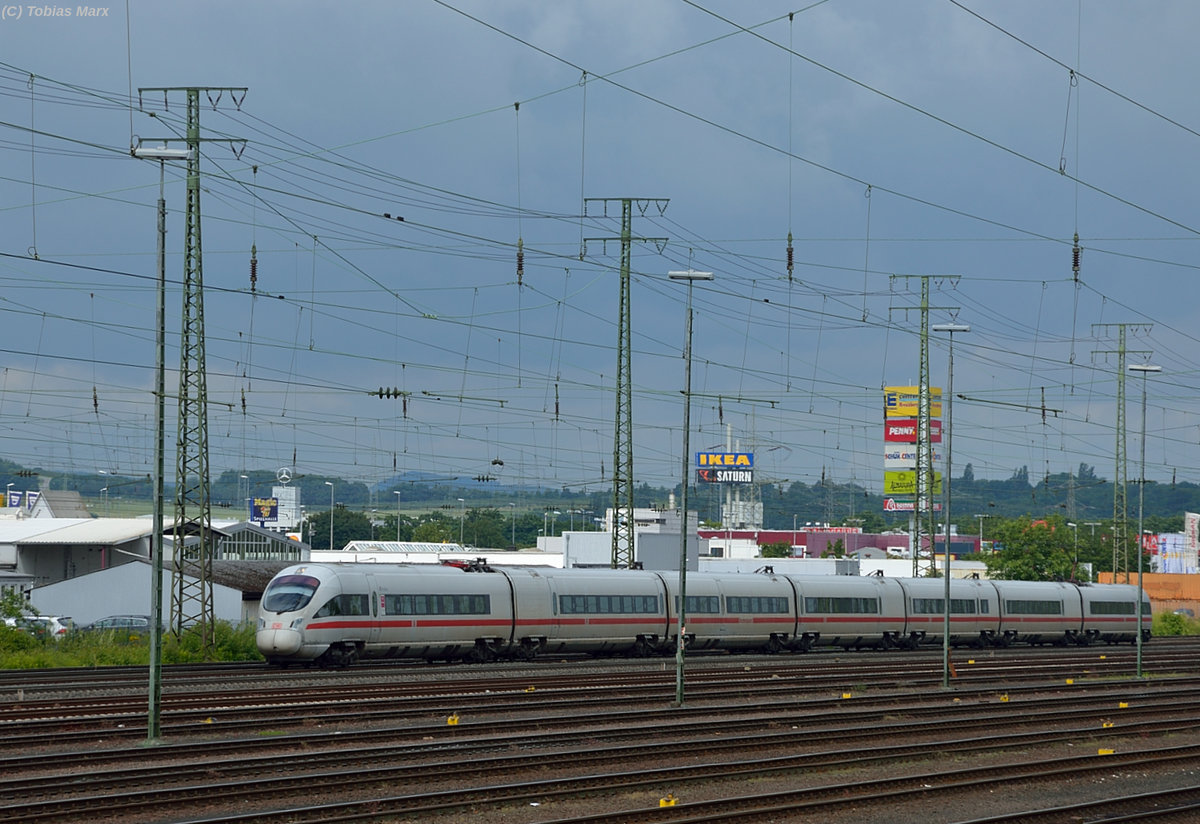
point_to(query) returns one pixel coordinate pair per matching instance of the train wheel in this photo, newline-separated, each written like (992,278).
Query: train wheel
(482,653)
(642,648)
(527,651)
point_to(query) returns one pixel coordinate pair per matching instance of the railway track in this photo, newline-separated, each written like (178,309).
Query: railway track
(596,737)
(775,689)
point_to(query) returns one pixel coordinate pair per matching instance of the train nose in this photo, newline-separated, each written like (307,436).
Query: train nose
(278,641)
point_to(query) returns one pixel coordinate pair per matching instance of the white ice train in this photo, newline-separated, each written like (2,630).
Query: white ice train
(337,613)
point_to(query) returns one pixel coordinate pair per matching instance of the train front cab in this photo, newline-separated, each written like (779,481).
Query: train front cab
(281,617)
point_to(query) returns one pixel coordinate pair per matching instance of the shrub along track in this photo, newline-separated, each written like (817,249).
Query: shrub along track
(744,724)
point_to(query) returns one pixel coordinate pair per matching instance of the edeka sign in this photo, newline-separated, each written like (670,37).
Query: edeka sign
(733,460)
(905,401)
(904,430)
(905,483)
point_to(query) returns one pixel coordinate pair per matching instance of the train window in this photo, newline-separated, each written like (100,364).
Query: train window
(1028,607)
(345,605)
(701,604)
(765,605)
(937,606)
(1113,607)
(855,606)
(477,604)
(289,593)
(607,604)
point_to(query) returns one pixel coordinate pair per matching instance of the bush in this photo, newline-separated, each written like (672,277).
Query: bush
(20,650)
(1170,623)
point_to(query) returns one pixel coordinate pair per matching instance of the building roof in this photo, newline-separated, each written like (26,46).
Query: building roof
(247,576)
(74,530)
(64,503)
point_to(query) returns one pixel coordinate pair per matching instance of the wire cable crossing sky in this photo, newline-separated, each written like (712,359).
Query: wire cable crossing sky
(407,269)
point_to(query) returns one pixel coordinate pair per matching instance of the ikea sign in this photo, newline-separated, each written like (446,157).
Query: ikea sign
(725,460)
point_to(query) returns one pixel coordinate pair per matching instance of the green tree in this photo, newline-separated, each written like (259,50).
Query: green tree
(781,549)
(347,526)
(835,550)
(485,528)
(434,531)
(1034,550)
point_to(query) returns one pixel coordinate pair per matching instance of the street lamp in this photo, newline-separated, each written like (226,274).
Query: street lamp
(981,517)
(512,516)
(245,500)
(330,485)
(105,491)
(373,512)
(1145,369)
(462,514)
(1074,564)
(153,716)
(691,276)
(8,493)
(949,328)
(396,492)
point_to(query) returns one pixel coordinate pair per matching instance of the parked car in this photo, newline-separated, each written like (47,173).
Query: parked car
(43,626)
(124,624)
(1185,612)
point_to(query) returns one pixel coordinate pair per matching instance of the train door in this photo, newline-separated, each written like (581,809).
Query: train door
(377,610)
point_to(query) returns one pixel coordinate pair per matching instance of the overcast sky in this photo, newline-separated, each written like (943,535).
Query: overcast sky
(967,140)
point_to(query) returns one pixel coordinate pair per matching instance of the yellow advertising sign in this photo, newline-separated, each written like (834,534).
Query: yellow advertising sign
(905,483)
(905,401)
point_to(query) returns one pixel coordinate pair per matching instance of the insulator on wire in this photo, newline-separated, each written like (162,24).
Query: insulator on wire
(253,267)
(520,261)
(95,401)
(243,401)
(791,256)
(1075,254)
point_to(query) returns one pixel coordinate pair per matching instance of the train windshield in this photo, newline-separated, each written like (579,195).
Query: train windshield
(288,593)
